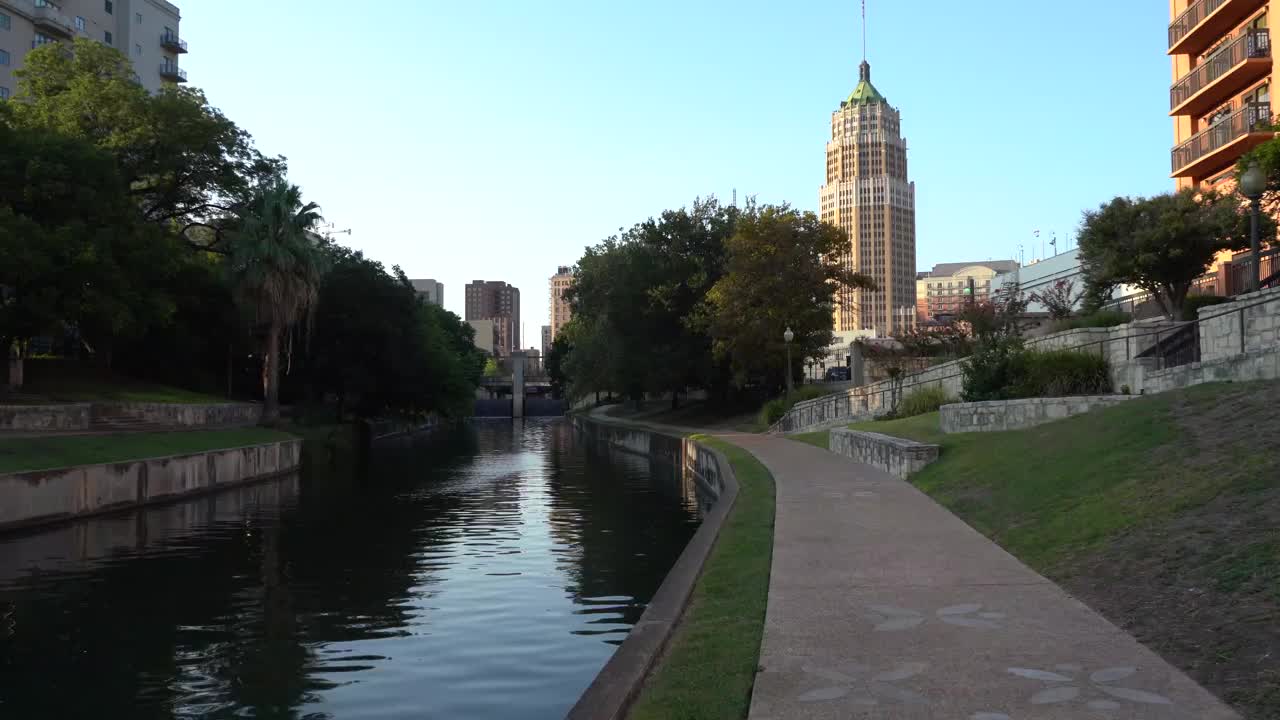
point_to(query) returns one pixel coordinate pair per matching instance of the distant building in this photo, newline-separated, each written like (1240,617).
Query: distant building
(429,290)
(945,289)
(500,302)
(145,31)
(486,334)
(546,340)
(560,310)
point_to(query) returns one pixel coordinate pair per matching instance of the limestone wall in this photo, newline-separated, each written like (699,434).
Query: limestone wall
(33,498)
(1249,324)
(896,456)
(999,415)
(187,415)
(1261,364)
(39,418)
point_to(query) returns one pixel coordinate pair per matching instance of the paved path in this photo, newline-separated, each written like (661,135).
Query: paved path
(882,604)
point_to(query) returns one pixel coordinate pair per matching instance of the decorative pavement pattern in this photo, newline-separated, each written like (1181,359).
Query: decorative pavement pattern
(882,604)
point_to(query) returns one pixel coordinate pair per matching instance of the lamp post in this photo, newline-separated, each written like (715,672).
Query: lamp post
(1252,184)
(788,336)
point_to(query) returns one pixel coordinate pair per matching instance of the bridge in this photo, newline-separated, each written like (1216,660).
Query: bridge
(527,386)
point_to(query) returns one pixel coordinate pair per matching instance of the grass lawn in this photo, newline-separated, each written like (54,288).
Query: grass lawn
(78,389)
(1162,513)
(710,665)
(821,439)
(27,454)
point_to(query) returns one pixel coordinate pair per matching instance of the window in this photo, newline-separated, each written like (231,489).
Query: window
(4,57)
(6,23)
(137,50)
(4,93)
(41,39)
(106,37)
(80,23)
(137,18)
(110,7)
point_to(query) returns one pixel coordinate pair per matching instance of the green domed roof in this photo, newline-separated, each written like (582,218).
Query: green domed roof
(865,93)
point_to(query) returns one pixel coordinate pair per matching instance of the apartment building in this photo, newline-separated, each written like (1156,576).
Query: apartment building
(430,290)
(950,287)
(1223,64)
(560,310)
(500,302)
(869,196)
(145,30)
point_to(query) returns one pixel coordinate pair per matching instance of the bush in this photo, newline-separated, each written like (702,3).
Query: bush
(1002,369)
(772,411)
(1059,373)
(924,400)
(1191,306)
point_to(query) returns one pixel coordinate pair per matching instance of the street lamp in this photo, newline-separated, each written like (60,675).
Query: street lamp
(788,336)
(1252,184)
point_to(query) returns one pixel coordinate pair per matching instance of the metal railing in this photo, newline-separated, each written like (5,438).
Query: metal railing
(173,72)
(1190,18)
(1163,348)
(1252,43)
(171,41)
(1252,116)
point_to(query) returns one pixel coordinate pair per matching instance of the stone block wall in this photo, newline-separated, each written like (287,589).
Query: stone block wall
(1000,415)
(1248,324)
(186,415)
(33,498)
(896,456)
(40,418)
(1261,364)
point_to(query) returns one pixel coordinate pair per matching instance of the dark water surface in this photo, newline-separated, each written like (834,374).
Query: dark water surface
(488,576)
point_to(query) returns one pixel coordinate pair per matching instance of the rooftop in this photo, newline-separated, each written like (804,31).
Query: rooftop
(865,93)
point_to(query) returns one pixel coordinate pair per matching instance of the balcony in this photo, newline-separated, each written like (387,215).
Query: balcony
(1222,144)
(171,71)
(48,18)
(1241,61)
(1205,21)
(171,42)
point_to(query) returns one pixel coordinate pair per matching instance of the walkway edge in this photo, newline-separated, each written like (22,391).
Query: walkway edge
(615,688)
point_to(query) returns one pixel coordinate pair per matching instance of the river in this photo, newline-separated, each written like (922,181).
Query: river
(489,574)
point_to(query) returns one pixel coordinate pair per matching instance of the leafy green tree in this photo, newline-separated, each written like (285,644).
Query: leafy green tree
(1161,244)
(184,164)
(275,269)
(783,271)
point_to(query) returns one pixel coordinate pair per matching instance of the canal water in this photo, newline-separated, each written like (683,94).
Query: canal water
(489,574)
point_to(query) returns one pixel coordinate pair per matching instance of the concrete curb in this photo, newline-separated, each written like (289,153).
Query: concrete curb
(610,695)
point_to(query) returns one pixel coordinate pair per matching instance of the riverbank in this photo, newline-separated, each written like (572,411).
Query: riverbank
(1162,514)
(28,454)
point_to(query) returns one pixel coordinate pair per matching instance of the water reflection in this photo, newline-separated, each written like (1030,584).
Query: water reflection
(488,574)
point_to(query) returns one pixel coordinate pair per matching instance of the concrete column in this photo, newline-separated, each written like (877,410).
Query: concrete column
(517,384)
(857,371)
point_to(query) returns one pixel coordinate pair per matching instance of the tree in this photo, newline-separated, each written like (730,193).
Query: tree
(275,269)
(1161,244)
(783,270)
(184,163)
(1060,299)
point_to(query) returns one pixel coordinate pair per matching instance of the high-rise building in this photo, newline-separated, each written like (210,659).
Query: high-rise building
(144,30)
(867,194)
(496,300)
(560,310)
(1220,101)
(951,287)
(486,335)
(546,340)
(429,290)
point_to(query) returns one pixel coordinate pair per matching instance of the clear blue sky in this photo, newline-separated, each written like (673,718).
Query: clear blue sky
(494,140)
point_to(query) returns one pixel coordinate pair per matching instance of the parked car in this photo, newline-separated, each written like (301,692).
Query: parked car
(838,374)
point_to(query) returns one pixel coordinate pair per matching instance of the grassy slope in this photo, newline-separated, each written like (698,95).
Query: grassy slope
(1163,514)
(710,665)
(27,454)
(77,389)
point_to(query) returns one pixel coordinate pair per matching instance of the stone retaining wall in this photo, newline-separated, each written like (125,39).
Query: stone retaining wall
(33,498)
(186,415)
(896,456)
(40,418)
(1262,364)
(1248,324)
(999,415)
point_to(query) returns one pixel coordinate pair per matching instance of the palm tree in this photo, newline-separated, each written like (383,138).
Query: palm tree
(275,270)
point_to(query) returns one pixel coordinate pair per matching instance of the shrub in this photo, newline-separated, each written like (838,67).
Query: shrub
(994,369)
(772,411)
(1060,373)
(1191,306)
(924,400)
(1099,319)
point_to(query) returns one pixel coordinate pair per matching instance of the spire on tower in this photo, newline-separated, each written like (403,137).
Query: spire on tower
(864,32)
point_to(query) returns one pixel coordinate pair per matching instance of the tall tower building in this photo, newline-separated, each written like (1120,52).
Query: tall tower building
(497,301)
(868,195)
(560,310)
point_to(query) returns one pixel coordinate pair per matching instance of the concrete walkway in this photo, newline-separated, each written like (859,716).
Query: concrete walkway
(882,604)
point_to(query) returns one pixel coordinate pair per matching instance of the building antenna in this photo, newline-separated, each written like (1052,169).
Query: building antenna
(735,197)
(864,30)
